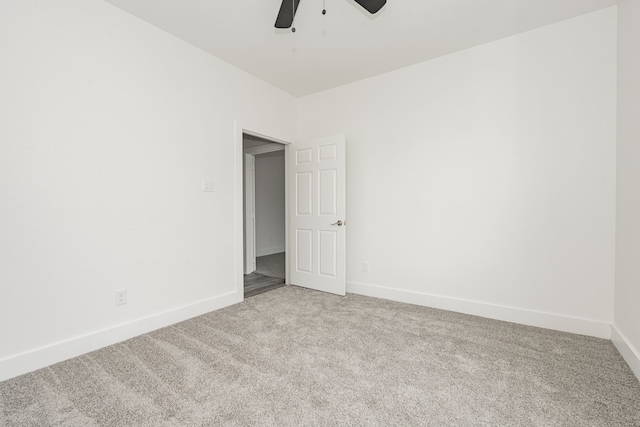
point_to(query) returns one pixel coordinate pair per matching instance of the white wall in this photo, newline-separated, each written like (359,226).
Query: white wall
(270,203)
(107,128)
(627,298)
(484,181)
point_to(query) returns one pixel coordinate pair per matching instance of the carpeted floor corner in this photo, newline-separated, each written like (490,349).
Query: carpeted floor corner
(294,357)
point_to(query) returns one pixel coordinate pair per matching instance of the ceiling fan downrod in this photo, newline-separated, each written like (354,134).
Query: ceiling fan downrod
(293,20)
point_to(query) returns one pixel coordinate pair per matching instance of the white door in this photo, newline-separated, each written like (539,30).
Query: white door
(317,214)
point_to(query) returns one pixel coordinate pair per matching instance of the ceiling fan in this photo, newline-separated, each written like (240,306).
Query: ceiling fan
(288,10)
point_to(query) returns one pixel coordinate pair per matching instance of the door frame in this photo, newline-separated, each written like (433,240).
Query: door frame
(249,213)
(239,154)
(250,250)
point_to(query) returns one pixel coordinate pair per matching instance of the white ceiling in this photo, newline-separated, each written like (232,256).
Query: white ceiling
(347,44)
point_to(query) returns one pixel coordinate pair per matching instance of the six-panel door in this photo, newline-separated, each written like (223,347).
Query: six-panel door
(317,230)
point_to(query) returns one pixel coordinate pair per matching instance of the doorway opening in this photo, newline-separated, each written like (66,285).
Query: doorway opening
(264,214)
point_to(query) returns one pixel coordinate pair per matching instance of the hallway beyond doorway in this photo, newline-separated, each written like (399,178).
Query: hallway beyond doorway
(269,275)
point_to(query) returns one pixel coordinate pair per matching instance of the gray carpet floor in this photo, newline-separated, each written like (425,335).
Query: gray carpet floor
(295,357)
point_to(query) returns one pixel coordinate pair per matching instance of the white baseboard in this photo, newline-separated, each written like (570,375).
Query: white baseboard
(270,251)
(539,319)
(39,358)
(630,354)
(45,356)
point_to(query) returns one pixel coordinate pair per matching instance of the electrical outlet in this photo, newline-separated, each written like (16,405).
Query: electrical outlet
(365,267)
(121,297)
(208,185)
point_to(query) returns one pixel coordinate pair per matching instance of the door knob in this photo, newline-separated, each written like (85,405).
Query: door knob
(339,223)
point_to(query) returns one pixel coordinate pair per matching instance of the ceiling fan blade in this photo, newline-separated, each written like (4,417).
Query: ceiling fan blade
(372,6)
(288,10)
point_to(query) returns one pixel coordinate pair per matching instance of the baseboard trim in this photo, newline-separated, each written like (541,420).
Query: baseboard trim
(45,356)
(270,251)
(630,354)
(521,316)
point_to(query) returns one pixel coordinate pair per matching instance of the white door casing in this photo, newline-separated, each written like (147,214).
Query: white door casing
(317,214)
(250,248)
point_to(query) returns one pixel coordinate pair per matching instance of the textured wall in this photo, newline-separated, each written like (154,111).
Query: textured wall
(108,127)
(484,181)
